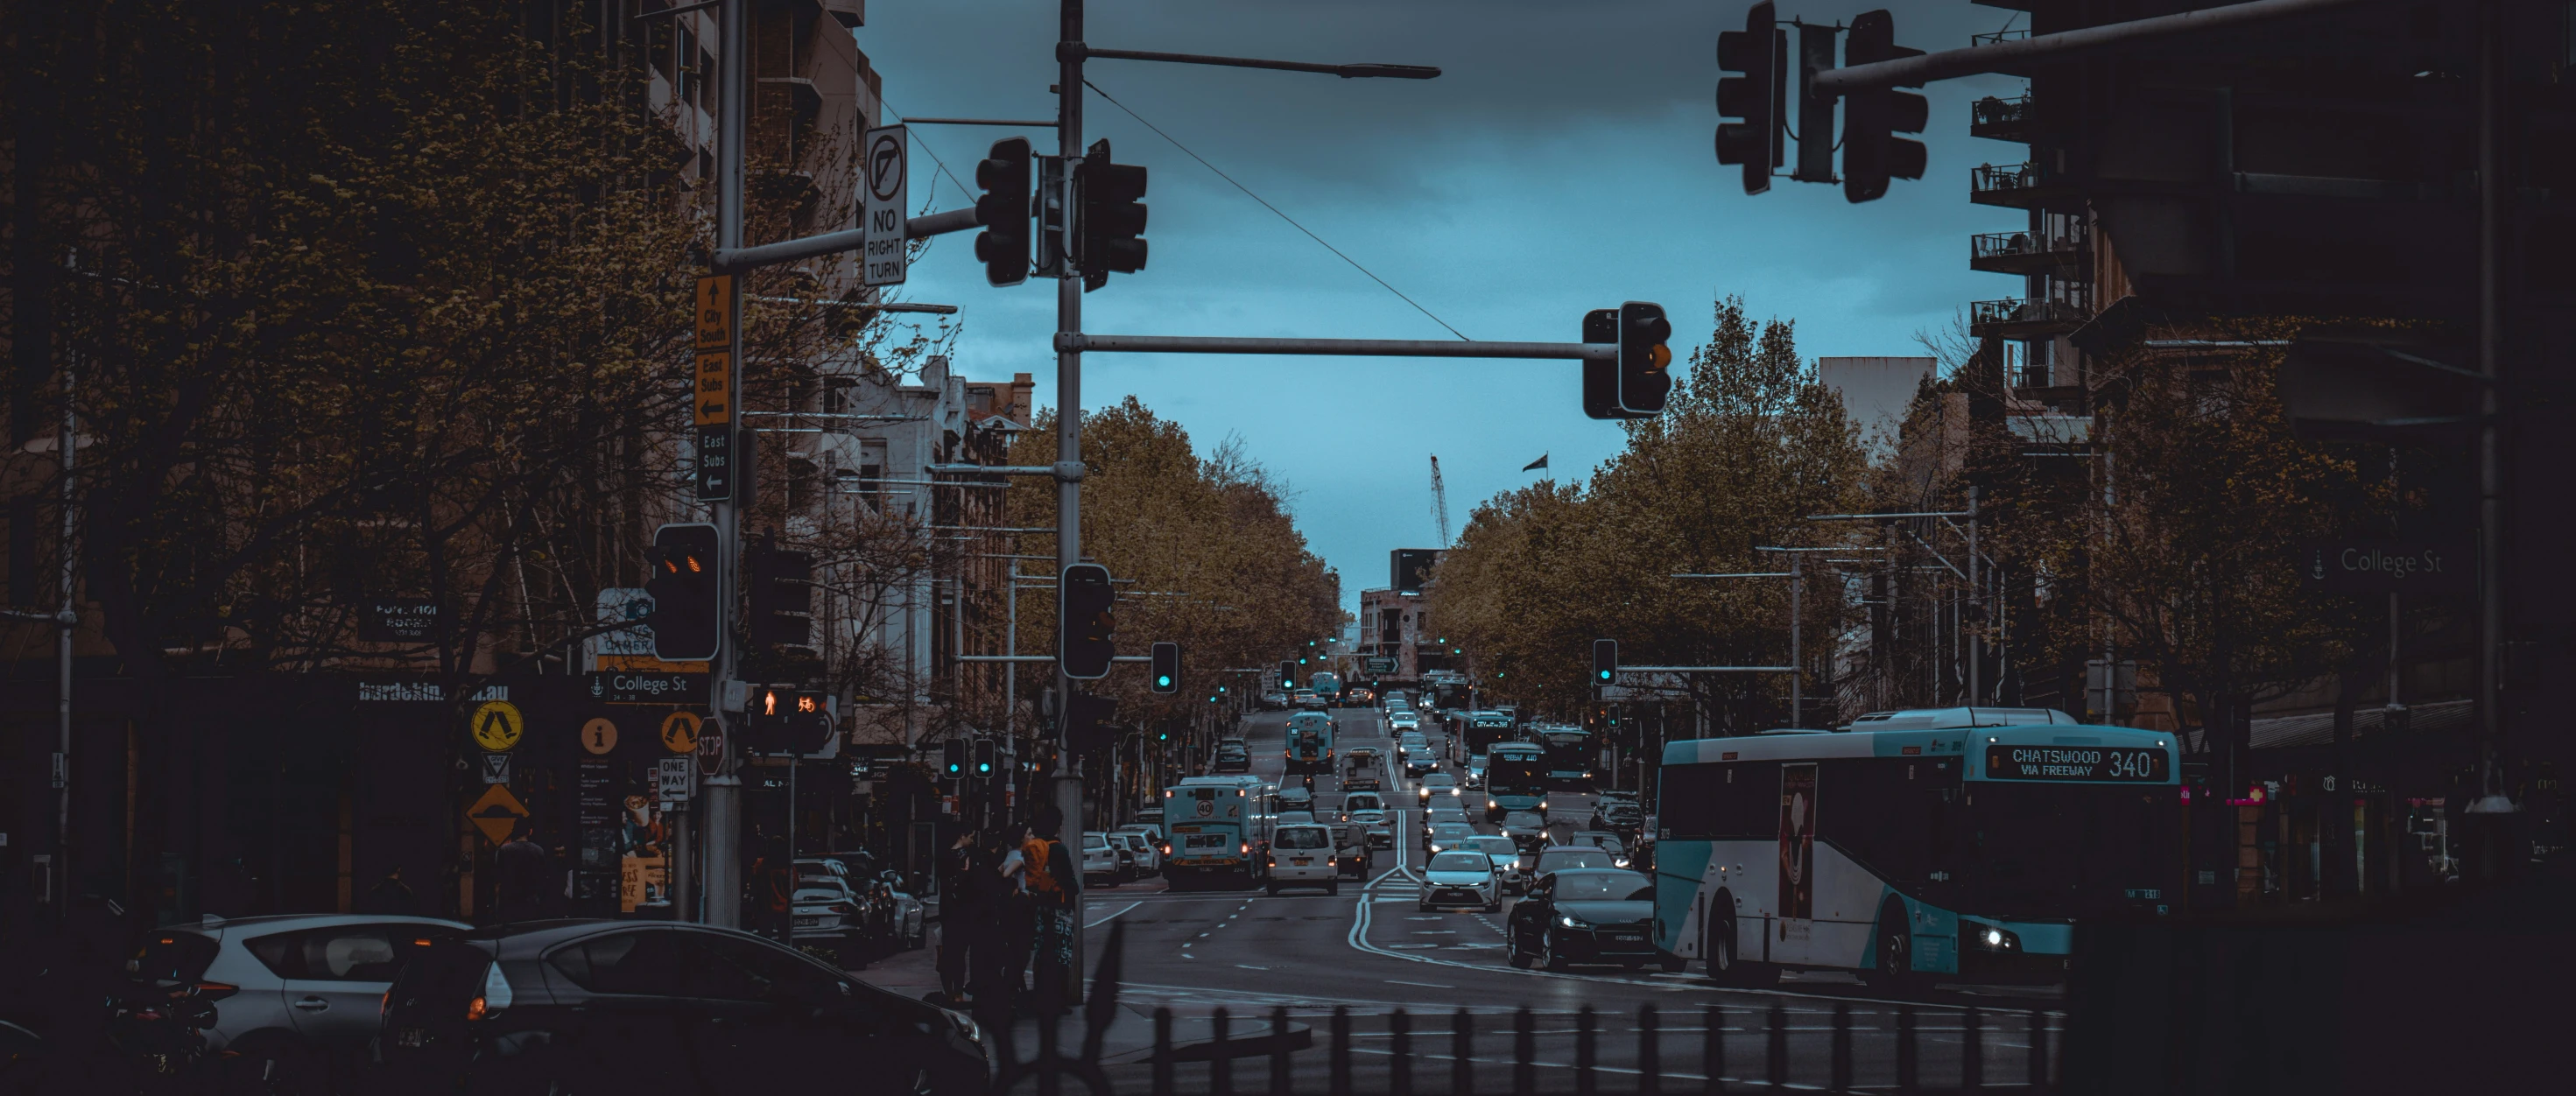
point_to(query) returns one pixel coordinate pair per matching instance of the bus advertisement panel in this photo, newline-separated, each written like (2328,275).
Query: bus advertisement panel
(1515,779)
(1219,831)
(1948,853)
(1310,743)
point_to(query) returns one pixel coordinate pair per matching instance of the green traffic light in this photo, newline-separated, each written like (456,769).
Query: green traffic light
(1162,681)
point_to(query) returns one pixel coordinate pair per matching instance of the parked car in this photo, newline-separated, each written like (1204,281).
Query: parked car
(618,1006)
(1583,916)
(306,988)
(824,918)
(1099,860)
(1140,845)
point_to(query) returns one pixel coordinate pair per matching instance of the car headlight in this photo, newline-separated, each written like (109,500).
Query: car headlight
(1568,921)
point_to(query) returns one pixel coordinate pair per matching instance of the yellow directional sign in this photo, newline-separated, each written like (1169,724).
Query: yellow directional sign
(497,726)
(680,732)
(599,736)
(713,401)
(497,813)
(715,312)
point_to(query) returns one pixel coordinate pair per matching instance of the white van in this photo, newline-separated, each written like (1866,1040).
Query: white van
(1302,855)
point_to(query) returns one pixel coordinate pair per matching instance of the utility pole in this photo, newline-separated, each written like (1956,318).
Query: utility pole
(1069,52)
(720,808)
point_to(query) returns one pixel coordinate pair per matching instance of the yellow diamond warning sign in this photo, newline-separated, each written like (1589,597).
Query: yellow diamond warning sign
(497,814)
(497,725)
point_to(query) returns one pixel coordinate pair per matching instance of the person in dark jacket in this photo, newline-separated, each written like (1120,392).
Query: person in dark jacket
(521,866)
(958,913)
(1055,885)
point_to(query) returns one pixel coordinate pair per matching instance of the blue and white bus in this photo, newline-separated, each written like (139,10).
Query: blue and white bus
(1515,779)
(1952,844)
(1219,827)
(1310,743)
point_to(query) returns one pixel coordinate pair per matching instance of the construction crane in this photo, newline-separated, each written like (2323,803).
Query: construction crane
(1439,502)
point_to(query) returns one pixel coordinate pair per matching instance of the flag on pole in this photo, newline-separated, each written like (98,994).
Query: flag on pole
(1536,465)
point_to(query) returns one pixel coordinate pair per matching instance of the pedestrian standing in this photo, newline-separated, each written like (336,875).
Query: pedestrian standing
(957,915)
(994,963)
(521,865)
(1016,921)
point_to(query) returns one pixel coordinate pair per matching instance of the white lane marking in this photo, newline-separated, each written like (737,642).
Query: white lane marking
(1425,985)
(1248,966)
(1108,917)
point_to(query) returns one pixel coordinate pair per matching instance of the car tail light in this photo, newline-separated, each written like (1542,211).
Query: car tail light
(495,997)
(216,991)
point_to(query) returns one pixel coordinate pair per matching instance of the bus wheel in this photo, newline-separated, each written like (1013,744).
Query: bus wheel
(1726,964)
(1892,960)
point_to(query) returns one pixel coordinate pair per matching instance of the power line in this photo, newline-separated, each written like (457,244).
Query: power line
(1265,204)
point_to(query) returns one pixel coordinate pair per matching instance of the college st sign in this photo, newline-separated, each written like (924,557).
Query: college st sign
(2388,567)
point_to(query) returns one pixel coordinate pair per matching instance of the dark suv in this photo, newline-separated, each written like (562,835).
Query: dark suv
(657,1007)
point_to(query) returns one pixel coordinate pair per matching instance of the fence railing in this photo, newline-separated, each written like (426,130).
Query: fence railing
(1798,1043)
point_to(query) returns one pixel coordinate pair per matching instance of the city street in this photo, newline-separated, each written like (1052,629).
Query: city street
(1370,951)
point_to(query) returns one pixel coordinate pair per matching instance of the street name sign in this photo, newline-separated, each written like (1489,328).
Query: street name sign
(2388,567)
(645,687)
(886,169)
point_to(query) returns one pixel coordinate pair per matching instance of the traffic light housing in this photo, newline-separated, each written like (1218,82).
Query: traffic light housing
(1287,676)
(1600,378)
(1086,622)
(1109,217)
(782,596)
(952,756)
(1167,667)
(1003,210)
(1753,93)
(687,588)
(1087,722)
(1643,356)
(1871,119)
(984,758)
(1605,661)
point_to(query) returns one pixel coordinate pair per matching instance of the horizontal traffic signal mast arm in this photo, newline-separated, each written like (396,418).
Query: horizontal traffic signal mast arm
(1366,348)
(1347,72)
(735,260)
(2006,56)
(1039,658)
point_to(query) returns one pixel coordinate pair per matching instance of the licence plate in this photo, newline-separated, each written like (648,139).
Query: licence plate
(1627,936)
(1300,861)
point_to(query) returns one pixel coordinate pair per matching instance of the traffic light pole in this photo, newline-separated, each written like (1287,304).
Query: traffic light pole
(1068,447)
(720,801)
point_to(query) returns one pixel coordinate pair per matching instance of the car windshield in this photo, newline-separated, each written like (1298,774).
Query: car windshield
(1603,887)
(1094,841)
(1523,820)
(1496,846)
(1453,829)
(817,894)
(1304,837)
(1462,861)
(1437,781)
(1561,859)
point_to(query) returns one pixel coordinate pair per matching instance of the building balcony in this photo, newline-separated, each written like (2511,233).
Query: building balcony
(2000,119)
(2028,252)
(2023,318)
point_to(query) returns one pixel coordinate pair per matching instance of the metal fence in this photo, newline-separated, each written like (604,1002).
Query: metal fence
(1401,1053)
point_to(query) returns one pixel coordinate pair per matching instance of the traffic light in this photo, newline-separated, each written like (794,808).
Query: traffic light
(983,757)
(1086,622)
(952,755)
(1605,661)
(1643,381)
(1755,97)
(782,595)
(809,726)
(1087,722)
(1108,218)
(1287,676)
(1003,210)
(1167,668)
(767,721)
(1871,119)
(1600,378)
(687,589)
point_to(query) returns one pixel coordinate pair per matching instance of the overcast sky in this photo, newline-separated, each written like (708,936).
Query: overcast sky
(1562,162)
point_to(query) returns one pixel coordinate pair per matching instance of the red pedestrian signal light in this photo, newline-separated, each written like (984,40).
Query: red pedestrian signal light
(687,590)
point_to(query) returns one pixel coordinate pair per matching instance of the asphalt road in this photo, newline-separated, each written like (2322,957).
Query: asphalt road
(1371,951)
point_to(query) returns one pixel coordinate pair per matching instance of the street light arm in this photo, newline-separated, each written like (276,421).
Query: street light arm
(1348,72)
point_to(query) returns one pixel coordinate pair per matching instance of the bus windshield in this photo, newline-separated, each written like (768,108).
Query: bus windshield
(1514,770)
(2067,850)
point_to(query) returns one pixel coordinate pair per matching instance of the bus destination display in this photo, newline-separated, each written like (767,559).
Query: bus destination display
(2104,763)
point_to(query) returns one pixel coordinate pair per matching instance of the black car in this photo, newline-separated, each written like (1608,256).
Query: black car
(614,1006)
(1583,915)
